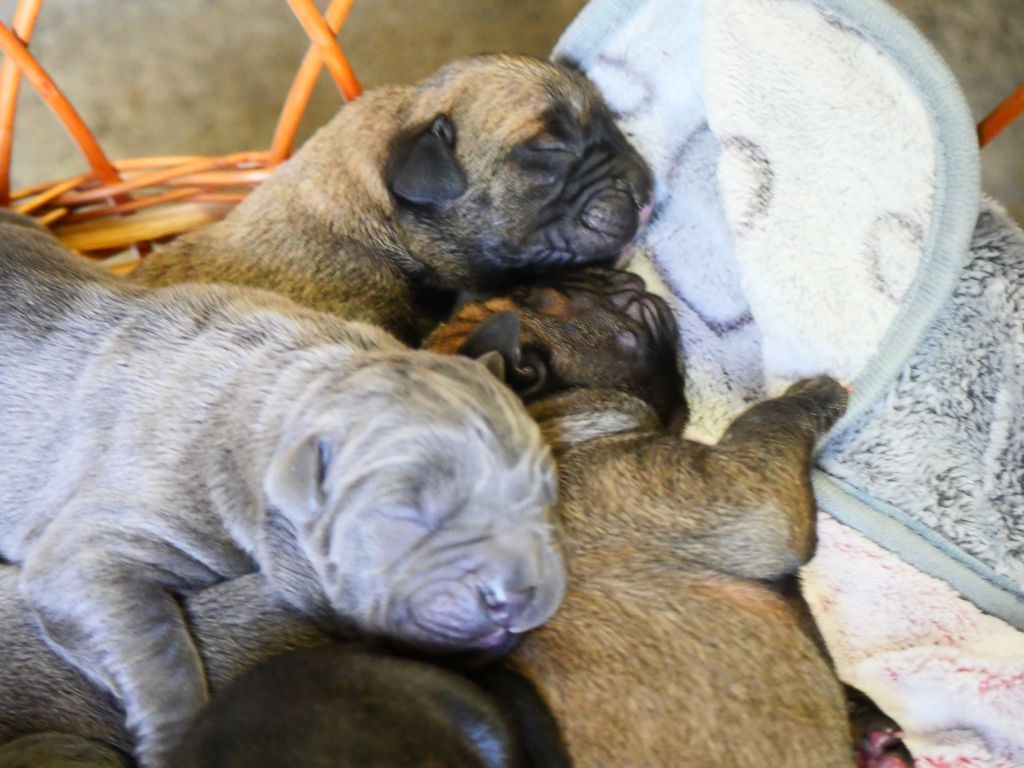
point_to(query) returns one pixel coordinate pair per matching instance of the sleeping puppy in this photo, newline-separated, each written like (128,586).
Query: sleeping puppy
(493,167)
(339,702)
(158,442)
(60,750)
(351,709)
(664,636)
(683,639)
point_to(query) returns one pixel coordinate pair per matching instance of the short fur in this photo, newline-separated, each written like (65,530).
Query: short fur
(239,628)
(682,640)
(494,166)
(351,709)
(681,627)
(60,750)
(162,441)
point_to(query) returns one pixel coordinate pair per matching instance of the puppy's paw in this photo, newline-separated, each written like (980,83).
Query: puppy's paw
(826,399)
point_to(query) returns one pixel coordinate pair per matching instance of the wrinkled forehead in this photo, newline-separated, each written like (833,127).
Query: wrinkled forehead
(514,98)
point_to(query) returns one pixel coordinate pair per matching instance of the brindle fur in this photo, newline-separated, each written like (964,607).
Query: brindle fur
(681,641)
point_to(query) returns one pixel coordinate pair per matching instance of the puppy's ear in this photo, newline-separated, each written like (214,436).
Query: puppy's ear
(294,484)
(423,168)
(499,336)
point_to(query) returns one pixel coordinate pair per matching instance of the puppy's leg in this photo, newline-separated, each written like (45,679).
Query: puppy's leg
(106,605)
(743,507)
(765,457)
(793,422)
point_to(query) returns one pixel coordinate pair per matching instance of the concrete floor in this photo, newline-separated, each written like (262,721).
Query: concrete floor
(208,76)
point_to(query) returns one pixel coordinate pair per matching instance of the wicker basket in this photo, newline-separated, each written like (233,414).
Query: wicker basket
(126,206)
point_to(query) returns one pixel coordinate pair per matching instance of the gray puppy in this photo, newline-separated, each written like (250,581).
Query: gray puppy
(494,166)
(161,441)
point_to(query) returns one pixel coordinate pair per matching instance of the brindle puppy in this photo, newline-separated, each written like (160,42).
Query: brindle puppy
(493,166)
(683,639)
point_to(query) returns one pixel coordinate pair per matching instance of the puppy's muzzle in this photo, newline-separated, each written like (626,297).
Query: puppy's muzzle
(515,587)
(615,189)
(602,203)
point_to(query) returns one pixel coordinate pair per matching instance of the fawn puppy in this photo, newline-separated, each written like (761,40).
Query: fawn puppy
(492,167)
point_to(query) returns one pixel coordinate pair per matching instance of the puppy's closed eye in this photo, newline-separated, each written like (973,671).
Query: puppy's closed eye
(543,165)
(548,143)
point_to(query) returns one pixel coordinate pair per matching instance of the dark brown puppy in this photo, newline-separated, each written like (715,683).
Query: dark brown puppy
(680,642)
(492,167)
(340,707)
(60,750)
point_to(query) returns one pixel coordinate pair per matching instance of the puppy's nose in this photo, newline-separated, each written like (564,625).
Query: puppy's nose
(503,605)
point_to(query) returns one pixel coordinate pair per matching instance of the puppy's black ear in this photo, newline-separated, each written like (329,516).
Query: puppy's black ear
(497,335)
(423,168)
(525,372)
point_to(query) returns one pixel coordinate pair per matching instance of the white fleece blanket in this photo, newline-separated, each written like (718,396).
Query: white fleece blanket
(817,210)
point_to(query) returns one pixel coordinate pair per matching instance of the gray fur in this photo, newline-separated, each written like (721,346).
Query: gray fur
(236,625)
(165,441)
(944,443)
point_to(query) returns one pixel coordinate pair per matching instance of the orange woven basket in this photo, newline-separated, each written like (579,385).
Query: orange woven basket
(128,205)
(132,204)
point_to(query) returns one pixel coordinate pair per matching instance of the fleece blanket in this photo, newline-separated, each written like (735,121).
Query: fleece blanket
(817,211)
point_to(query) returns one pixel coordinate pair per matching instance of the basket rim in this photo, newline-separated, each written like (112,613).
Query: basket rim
(102,209)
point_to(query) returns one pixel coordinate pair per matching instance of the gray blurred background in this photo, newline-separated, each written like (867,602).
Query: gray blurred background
(208,76)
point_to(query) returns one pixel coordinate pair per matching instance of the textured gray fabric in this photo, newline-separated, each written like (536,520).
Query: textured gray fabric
(945,443)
